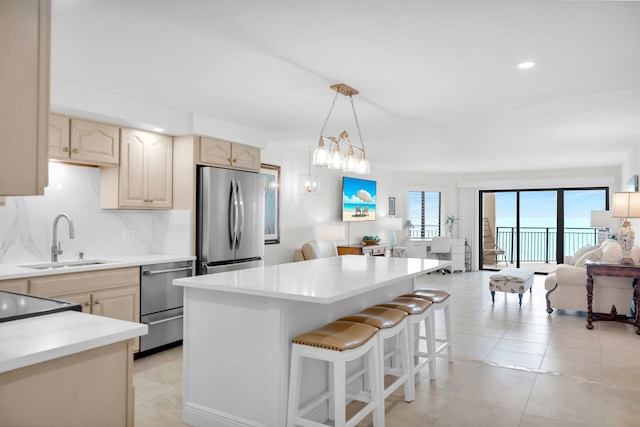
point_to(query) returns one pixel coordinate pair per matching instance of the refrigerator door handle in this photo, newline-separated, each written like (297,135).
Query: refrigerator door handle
(233,206)
(240,226)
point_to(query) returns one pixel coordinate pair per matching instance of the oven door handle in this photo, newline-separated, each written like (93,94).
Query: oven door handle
(152,272)
(168,319)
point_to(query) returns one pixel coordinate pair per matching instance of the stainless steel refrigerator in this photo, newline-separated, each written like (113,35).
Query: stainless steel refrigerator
(230,220)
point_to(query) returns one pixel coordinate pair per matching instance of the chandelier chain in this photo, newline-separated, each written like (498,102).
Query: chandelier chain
(329,115)
(355,116)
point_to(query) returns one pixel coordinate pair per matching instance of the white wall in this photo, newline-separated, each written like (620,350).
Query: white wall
(302,215)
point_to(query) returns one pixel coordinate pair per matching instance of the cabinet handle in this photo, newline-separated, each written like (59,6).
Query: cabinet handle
(75,150)
(229,159)
(87,304)
(97,302)
(65,149)
(234,160)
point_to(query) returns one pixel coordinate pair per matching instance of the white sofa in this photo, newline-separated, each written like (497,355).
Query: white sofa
(566,286)
(315,249)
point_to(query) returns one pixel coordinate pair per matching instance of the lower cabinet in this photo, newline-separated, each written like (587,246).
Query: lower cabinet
(111,293)
(20,286)
(92,387)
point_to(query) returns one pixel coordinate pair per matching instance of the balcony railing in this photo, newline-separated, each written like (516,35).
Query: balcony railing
(538,244)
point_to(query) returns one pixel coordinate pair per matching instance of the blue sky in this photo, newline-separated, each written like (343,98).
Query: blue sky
(538,208)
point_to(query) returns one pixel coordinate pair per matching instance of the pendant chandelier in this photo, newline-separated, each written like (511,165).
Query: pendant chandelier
(332,157)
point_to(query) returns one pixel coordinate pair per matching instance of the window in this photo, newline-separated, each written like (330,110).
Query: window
(424,213)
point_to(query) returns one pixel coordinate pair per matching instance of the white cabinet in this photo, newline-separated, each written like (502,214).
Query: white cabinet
(144,179)
(217,152)
(25,39)
(458,255)
(83,141)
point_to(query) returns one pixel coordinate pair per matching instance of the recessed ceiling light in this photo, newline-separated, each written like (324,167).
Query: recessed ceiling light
(526,65)
(158,130)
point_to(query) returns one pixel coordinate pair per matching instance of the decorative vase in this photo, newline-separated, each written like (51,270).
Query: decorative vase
(626,236)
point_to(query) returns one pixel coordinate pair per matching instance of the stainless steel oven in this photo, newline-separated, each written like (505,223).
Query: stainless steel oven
(161,303)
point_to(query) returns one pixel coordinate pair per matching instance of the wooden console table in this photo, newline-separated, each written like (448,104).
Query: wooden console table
(373,250)
(596,268)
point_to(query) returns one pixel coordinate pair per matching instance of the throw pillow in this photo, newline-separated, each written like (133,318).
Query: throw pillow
(310,250)
(593,255)
(583,250)
(611,252)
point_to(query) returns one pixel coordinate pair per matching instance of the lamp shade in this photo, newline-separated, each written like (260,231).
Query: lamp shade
(626,205)
(601,219)
(333,232)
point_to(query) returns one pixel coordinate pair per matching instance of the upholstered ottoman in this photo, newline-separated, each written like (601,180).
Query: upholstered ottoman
(513,280)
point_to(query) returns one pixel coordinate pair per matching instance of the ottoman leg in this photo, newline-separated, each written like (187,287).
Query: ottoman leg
(493,297)
(520,298)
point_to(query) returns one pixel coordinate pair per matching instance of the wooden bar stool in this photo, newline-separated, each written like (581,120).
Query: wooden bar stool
(337,343)
(391,324)
(419,310)
(440,300)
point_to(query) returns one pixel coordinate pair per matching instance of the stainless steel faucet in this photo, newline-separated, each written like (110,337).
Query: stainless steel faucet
(55,246)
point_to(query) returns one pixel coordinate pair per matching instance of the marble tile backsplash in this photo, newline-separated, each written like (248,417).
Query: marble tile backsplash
(26,223)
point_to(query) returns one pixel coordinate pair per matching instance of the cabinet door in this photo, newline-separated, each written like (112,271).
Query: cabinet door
(215,152)
(15,285)
(95,143)
(159,161)
(121,303)
(58,137)
(132,192)
(83,299)
(245,157)
(25,35)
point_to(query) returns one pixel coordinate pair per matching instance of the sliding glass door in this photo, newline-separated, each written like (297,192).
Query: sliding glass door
(520,228)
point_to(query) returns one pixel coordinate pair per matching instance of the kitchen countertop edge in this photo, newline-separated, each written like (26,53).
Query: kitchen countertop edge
(8,272)
(39,339)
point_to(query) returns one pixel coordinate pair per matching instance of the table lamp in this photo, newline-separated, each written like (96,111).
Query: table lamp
(626,205)
(333,232)
(603,222)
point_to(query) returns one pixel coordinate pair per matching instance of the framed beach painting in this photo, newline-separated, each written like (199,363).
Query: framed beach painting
(271,203)
(392,205)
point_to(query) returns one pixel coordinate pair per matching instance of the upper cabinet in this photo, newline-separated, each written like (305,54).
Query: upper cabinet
(144,178)
(25,39)
(83,141)
(216,152)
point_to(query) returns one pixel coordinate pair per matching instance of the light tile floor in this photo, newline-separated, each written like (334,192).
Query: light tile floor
(514,367)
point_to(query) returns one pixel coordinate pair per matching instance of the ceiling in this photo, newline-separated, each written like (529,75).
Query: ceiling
(439,86)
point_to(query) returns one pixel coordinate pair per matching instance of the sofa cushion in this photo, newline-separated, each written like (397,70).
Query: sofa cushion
(593,255)
(583,250)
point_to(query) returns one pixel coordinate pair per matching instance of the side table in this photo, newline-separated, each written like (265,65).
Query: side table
(598,268)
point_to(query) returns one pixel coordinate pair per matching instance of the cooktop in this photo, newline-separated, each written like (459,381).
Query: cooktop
(14,306)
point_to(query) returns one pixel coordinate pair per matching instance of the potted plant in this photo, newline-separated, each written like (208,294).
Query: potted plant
(450,221)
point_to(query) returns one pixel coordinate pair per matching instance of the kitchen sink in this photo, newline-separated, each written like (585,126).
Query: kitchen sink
(66,264)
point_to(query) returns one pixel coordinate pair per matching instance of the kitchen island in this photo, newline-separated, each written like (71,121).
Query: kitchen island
(238,328)
(68,369)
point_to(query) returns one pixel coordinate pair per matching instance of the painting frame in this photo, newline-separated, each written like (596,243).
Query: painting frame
(632,184)
(392,205)
(271,203)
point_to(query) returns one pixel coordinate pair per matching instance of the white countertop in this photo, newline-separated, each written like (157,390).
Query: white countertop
(323,280)
(19,271)
(33,340)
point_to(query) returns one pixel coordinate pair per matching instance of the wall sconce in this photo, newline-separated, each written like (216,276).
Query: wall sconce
(333,157)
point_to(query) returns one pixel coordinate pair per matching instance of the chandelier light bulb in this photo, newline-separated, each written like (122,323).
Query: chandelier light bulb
(336,159)
(350,162)
(321,154)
